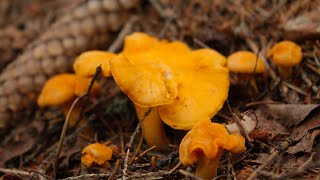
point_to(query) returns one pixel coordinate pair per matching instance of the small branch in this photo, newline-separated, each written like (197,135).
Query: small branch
(129,144)
(65,125)
(125,166)
(189,175)
(64,131)
(86,176)
(15,171)
(114,170)
(240,125)
(273,155)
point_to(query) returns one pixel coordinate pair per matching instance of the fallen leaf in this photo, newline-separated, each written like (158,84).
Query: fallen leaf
(305,144)
(288,114)
(25,138)
(312,122)
(11,177)
(303,26)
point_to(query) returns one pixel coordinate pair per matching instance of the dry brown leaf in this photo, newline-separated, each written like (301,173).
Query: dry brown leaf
(288,114)
(25,138)
(304,26)
(305,144)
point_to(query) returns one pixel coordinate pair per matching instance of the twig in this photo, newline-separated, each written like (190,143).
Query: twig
(174,168)
(308,81)
(189,175)
(42,174)
(125,167)
(307,165)
(133,158)
(157,6)
(44,163)
(167,160)
(238,122)
(129,144)
(114,170)
(125,31)
(273,155)
(65,125)
(64,131)
(15,171)
(200,43)
(86,176)
(141,154)
(295,88)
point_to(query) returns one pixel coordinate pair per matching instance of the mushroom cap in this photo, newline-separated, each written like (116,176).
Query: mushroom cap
(138,42)
(82,84)
(87,63)
(203,86)
(186,85)
(96,153)
(207,139)
(245,62)
(285,54)
(57,90)
(145,84)
(62,88)
(211,54)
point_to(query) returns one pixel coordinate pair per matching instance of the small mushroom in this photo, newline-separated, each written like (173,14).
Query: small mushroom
(62,89)
(246,63)
(204,145)
(96,153)
(285,55)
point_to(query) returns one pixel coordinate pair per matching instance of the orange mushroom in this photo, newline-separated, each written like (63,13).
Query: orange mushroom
(85,65)
(62,89)
(194,84)
(246,63)
(204,144)
(96,153)
(179,85)
(285,55)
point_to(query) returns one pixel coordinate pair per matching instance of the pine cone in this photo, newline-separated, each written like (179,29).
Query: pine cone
(87,26)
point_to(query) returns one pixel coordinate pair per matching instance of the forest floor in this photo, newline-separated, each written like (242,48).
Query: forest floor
(285,143)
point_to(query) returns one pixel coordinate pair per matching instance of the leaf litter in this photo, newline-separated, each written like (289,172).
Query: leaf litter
(285,141)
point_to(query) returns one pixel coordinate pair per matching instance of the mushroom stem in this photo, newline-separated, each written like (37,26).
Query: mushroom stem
(152,127)
(206,168)
(285,72)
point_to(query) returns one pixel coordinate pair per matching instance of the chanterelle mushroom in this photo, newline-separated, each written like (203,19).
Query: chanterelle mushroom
(199,78)
(181,84)
(204,144)
(85,65)
(62,89)
(96,153)
(246,63)
(285,55)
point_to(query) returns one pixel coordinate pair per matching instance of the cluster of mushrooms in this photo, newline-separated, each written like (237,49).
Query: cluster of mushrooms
(172,84)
